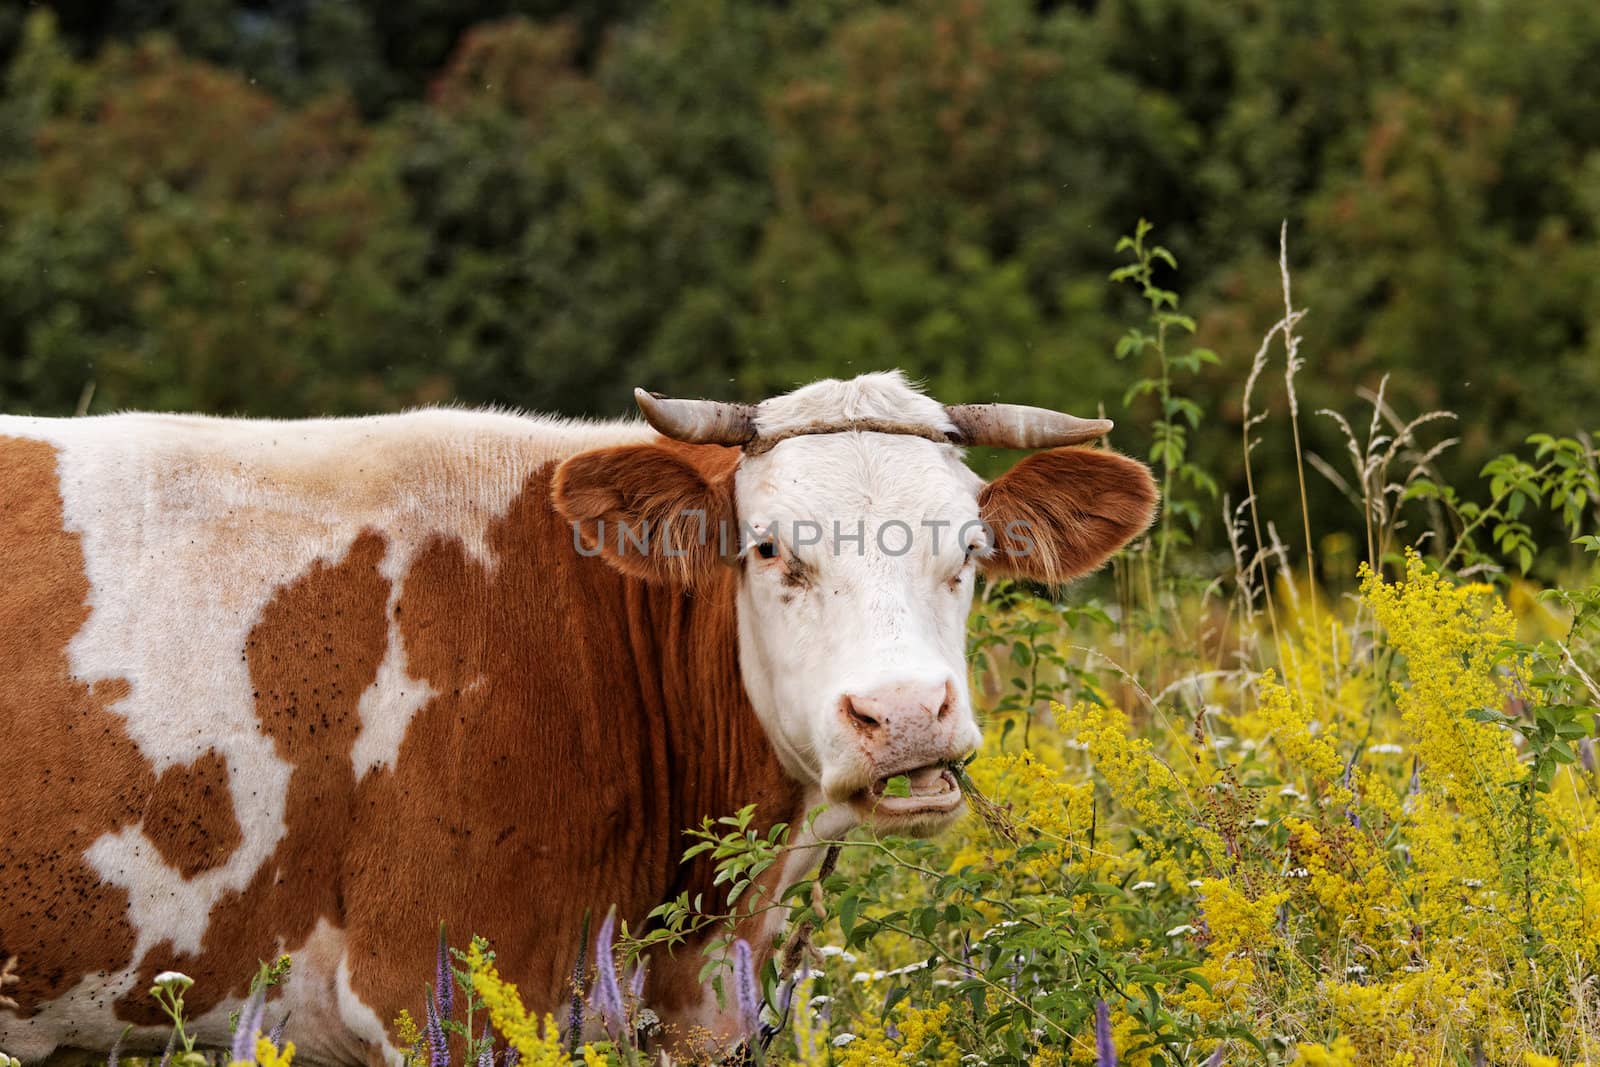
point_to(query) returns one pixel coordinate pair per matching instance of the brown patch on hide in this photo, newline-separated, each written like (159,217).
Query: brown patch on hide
(191,818)
(70,771)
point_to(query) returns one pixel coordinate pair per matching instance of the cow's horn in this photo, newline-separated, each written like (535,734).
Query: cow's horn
(1018,426)
(699,422)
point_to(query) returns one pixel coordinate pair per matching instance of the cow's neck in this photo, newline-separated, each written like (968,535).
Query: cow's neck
(717,755)
(717,747)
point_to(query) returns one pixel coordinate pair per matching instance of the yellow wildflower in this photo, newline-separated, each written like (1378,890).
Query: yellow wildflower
(1340,1054)
(923,1040)
(538,1046)
(267,1054)
(1451,637)
(405,1028)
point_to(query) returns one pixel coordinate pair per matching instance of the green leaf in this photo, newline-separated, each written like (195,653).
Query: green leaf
(896,995)
(849,906)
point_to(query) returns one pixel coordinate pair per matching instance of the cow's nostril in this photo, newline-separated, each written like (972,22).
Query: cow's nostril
(858,718)
(949,700)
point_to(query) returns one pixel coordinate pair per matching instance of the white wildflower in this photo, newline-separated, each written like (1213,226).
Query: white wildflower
(878,976)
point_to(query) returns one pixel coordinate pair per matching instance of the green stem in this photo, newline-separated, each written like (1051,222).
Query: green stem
(1166,462)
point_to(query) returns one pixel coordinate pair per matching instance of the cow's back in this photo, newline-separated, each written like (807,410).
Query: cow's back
(235,658)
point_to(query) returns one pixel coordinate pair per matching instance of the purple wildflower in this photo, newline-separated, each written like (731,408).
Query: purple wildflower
(1350,812)
(513,1057)
(1215,1060)
(486,1057)
(747,992)
(443,980)
(438,1043)
(636,981)
(607,993)
(575,1012)
(276,1036)
(1105,1053)
(248,1026)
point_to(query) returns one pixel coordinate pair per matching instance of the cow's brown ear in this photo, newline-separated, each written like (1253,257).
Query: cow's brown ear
(1059,514)
(657,512)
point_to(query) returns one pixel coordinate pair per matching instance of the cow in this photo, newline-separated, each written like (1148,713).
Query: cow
(313,687)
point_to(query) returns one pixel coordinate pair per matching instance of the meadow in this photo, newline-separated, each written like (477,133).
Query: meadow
(1321,800)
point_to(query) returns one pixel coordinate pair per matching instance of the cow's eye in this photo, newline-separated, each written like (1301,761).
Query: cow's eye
(767,550)
(969,560)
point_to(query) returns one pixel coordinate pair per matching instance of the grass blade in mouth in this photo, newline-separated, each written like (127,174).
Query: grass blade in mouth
(992,814)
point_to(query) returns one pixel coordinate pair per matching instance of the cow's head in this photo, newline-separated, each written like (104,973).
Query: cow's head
(857,532)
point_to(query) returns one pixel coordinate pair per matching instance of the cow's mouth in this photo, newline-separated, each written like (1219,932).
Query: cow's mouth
(926,792)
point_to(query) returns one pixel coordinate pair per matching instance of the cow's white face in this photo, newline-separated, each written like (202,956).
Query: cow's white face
(858,532)
(860,557)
